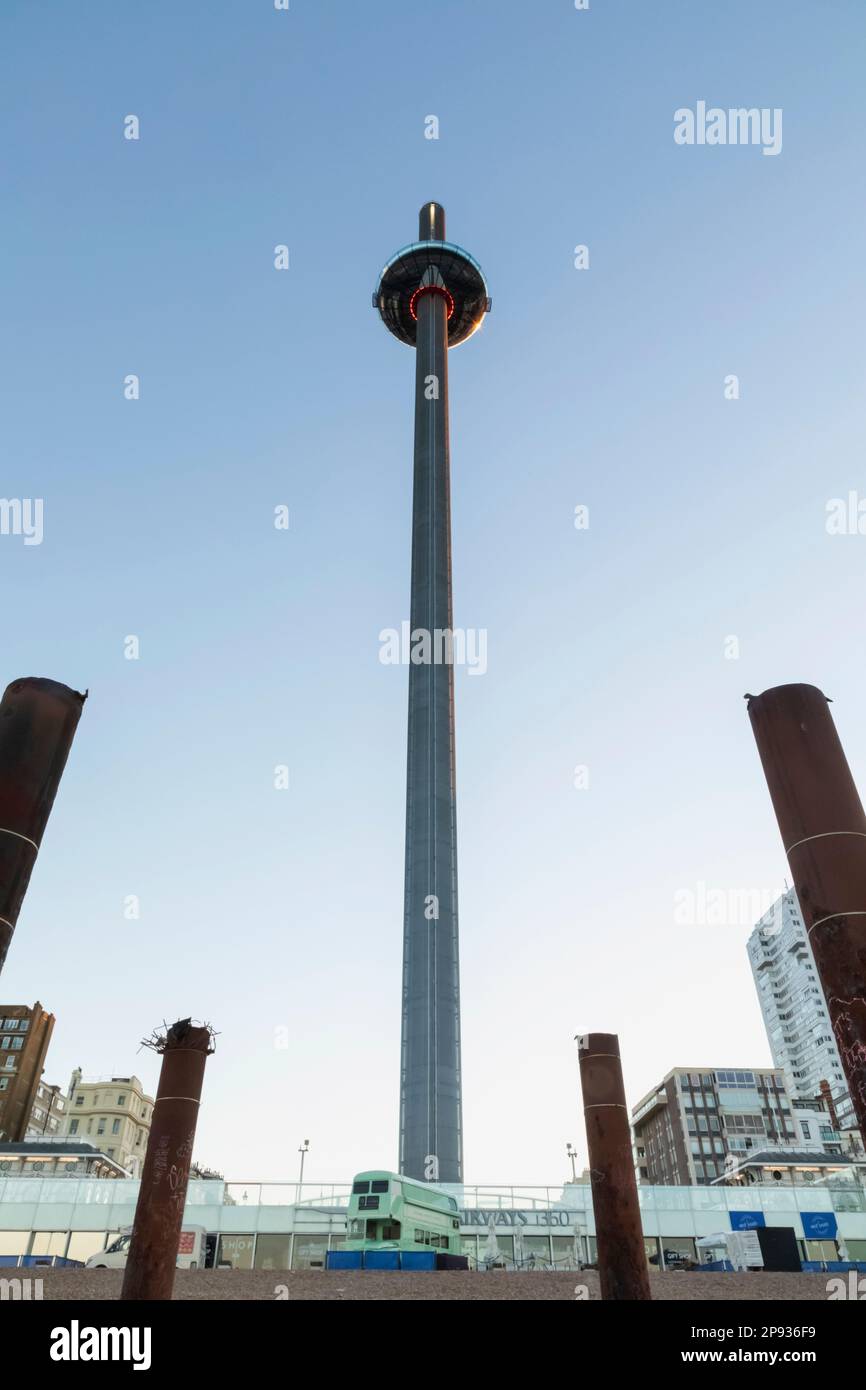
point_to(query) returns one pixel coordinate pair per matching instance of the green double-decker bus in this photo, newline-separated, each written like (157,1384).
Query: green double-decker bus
(390,1212)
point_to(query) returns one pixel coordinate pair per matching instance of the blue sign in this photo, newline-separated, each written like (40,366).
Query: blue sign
(746,1220)
(819,1225)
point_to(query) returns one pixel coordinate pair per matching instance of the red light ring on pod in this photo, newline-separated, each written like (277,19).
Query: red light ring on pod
(431,289)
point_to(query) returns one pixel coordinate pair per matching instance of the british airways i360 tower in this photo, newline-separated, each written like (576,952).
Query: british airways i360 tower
(432,296)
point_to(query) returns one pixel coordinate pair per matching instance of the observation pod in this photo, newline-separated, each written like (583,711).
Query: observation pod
(432,265)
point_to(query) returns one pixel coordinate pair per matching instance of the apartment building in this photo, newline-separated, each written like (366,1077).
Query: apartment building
(794,1008)
(114,1113)
(48,1115)
(698,1122)
(24,1037)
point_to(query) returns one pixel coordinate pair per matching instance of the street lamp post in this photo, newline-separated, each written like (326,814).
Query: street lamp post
(303,1151)
(572,1153)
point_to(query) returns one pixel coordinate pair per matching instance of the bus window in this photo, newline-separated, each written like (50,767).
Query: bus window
(391,1232)
(368,1204)
(379,1185)
(360,1187)
(356,1230)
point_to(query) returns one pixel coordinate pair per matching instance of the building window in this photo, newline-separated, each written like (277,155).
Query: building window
(5,1042)
(4,1082)
(744,1124)
(11,1023)
(115,1126)
(24,1024)
(10,1064)
(79,1100)
(73,1126)
(121,1100)
(17,1044)
(100,1128)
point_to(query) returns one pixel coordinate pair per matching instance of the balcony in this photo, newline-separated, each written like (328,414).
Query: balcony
(649,1107)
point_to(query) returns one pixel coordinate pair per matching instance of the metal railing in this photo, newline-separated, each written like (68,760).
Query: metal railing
(493,1196)
(576,1198)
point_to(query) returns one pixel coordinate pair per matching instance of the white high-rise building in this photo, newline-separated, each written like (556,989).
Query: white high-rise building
(795,1011)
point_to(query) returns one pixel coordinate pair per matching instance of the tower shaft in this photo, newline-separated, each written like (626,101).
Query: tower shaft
(430,1091)
(431,295)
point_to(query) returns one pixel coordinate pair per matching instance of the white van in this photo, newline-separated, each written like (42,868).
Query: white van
(190,1251)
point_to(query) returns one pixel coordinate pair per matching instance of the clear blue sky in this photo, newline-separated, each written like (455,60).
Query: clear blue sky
(264,910)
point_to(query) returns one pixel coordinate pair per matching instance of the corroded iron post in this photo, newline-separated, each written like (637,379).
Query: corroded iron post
(823,829)
(150,1268)
(622,1262)
(38,719)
